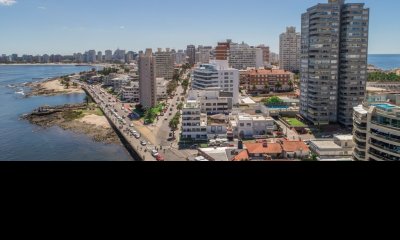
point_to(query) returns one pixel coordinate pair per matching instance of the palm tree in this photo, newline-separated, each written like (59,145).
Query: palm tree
(278,86)
(291,84)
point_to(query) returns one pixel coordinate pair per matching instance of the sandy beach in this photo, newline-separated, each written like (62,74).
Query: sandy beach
(52,87)
(98,121)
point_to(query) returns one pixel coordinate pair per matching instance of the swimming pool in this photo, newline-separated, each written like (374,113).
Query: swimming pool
(278,107)
(385,106)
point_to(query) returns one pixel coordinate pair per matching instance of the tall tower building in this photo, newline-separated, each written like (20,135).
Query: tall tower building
(147,79)
(108,56)
(289,50)
(99,56)
(334,50)
(222,50)
(165,64)
(191,54)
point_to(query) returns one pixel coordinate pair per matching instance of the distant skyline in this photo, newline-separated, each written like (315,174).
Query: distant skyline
(64,27)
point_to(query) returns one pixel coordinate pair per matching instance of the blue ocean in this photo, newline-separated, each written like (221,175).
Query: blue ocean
(21,140)
(385,61)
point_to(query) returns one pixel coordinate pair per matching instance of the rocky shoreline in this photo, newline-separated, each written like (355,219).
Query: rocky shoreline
(50,87)
(68,117)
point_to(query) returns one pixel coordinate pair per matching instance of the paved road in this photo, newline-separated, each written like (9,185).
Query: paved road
(104,99)
(155,135)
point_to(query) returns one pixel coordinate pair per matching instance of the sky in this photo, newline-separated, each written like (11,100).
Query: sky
(69,26)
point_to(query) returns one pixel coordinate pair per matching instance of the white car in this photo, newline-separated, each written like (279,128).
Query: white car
(154,153)
(143,143)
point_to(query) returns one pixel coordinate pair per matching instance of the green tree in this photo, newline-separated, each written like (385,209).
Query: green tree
(278,86)
(67,84)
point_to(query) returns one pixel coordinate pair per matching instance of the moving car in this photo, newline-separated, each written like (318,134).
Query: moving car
(154,153)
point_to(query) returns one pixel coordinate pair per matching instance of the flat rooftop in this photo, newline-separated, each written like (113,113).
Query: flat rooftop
(326,145)
(344,137)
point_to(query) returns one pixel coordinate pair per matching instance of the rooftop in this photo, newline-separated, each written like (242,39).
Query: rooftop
(325,145)
(294,146)
(263,148)
(344,137)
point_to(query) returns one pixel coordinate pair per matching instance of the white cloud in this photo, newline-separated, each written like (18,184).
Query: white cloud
(7,2)
(41,8)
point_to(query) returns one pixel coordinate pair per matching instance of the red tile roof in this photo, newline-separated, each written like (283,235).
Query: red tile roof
(241,156)
(260,148)
(294,146)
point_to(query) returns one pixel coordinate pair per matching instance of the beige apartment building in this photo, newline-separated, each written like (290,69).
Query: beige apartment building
(147,79)
(165,61)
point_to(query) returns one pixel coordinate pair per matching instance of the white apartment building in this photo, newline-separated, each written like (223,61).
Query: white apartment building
(165,61)
(340,148)
(117,81)
(377,130)
(242,56)
(161,85)
(131,93)
(212,101)
(289,50)
(251,126)
(194,123)
(180,57)
(217,75)
(147,79)
(108,56)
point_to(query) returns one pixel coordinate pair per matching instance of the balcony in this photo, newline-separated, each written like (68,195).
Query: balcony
(383,157)
(359,156)
(386,125)
(385,136)
(385,147)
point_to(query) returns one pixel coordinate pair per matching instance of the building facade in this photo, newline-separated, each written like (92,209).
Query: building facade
(333,61)
(165,62)
(222,50)
(377,132)
(289,50)
(191,54)
(264,81)
(217,75)
(242,56)
(147,79)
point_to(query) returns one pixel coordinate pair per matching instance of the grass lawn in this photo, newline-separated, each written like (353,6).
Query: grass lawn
(294,122)
(154,113)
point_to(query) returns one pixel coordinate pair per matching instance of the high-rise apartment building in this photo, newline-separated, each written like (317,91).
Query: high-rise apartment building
(376,131)
(92,56)
(164,64)
(180,57)
(334,50)
(242,56)
(191,54)
(222,50)
(217,75)
(147,79)
(108,56)
(289,50)
(266,54)
(99,56)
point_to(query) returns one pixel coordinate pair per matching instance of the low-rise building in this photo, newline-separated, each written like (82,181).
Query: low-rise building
(131,93)
(247,126)
(340,148)
(117,81)
(194,123)
(265,81)
(161,85)
(295,149)
(213,101)
(264,151)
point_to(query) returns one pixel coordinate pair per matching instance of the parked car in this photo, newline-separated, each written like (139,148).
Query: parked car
(160,158)
(143,143)
(154,153)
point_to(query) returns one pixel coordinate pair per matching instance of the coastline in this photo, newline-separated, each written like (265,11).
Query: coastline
(51,87)
(78,118)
